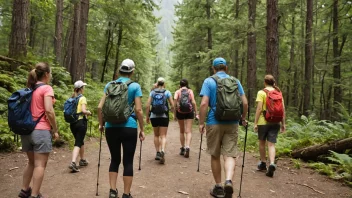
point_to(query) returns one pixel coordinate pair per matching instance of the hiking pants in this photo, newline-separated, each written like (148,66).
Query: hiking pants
(79,130)
(116,136)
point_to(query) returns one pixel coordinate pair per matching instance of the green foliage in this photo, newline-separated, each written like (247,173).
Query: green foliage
(296,163)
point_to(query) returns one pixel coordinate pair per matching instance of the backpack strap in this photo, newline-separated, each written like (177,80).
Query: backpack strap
(215,77)
(36,86)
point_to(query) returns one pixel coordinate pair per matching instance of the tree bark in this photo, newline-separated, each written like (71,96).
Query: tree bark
(312,152)
(292,61)
(58,31)
(252,51)
(18,37)
(69,45)
(32,25)
(75,46)
(236,58)
(119,41)
(94,70)
(108,47)
(210,36)
(337,62)
(272,39)
(308,58)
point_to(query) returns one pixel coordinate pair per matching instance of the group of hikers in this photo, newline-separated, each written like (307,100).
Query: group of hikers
(223,107)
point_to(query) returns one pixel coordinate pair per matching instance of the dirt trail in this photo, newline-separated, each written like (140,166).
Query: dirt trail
(155,180)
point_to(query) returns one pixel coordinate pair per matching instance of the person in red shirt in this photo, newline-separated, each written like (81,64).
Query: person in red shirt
(38,145)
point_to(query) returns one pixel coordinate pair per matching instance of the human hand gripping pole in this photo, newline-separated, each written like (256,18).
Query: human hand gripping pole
(244,149)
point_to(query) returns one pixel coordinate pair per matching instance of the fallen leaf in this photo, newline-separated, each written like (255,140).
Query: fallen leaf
(272,191)
(13,168)
(142,186)
(183,192)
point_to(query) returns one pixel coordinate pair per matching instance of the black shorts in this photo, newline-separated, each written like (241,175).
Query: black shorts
(184,116)
(160,122)
(268,132)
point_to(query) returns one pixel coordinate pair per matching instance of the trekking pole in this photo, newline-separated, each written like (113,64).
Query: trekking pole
(244,149)
(140,156)
(101,136)
(200,149)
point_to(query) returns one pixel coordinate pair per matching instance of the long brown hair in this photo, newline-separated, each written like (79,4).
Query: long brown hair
(270,80)
(37,74)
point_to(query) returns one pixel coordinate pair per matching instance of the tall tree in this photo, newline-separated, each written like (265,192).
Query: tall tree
(236,58)
(81,67)
(119,42)
(75,44)
(18,38)
(272,39)
(252,50)
(58,31)
(308,58)
(210,35)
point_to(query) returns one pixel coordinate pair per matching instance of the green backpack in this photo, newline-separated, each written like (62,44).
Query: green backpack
(116,108)
(228,99)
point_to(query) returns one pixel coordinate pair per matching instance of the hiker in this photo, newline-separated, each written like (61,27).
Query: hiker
(38,144)
(79,128)
(186,107)
(122,131)
(222,125)
(158,115)
(268,131)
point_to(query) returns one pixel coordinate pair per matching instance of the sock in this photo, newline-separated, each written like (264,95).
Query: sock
(228,181)
(219,185)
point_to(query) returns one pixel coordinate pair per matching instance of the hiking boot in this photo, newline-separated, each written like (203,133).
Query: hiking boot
(25,193)
(113,193)
(182,151)
(83,162)
(127,196)
(228,188)
(162,157)
(187,153)
(38,196)
(73,167)
(217,192)
(261,166)
(271,170)
(158,156)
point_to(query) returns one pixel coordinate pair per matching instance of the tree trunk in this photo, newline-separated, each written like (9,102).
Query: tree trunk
(81,67)
(18,38)
(243,59)
(308,58)
(119,41)
(292,61)
(69,45)
(272,40)
(210,36)
(312,152)
(108,47)
(58,31)
(337,62)
(251,51)
(94,70)
(236,58)
(32,25)
(75,49)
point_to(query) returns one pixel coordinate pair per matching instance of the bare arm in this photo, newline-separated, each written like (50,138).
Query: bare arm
(139,113)
(194,106)
(85,111)
(202,112)
(50,114)
(100,116)
(147,109)
(172,104)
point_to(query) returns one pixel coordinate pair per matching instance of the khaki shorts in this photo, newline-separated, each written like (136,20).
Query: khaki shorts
(222,139)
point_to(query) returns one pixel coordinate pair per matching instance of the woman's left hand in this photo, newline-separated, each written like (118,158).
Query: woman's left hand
(141,135)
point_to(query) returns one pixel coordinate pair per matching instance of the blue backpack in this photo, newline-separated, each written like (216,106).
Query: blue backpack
(70,109)
(20,118)
(159,103)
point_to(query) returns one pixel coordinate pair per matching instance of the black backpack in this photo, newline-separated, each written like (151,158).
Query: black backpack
(185,105)
(159,103)
(70,109)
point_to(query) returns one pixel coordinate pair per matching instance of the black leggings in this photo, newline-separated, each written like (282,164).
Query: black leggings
(79,130)
(128,138)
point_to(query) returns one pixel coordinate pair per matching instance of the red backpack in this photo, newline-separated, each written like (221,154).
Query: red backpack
(274,106)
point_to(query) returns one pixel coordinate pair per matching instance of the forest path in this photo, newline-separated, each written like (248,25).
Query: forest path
(155,180)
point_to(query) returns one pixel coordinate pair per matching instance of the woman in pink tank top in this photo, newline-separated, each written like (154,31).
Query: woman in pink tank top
(38,144)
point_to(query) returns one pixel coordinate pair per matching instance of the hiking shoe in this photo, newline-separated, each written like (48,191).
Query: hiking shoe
(25,193)
(83,162)
(162,157)
(228,188)
(261,166)
(182,151)
(127,196)
(73,167)
(158,156)
(187,153)
(217,192)
(113,193)
(38,196)
(271,170)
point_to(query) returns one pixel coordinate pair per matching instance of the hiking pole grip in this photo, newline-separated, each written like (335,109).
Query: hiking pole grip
(140,155)
(200,150)
(101,137)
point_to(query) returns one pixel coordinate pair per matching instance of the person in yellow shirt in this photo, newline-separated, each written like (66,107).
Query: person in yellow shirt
(79,128)
(267,131)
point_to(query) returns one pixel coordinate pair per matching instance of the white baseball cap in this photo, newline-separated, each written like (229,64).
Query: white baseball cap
(127,66)
(79,84)
(161,79)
